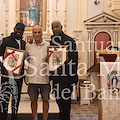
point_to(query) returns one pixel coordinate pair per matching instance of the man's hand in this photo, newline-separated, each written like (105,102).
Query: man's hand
(31,41)
(3,70)
(26,81)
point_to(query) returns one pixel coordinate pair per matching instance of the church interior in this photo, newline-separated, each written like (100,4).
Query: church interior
(95,26)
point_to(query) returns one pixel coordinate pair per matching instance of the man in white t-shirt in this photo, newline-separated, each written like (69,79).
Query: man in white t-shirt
(38,81)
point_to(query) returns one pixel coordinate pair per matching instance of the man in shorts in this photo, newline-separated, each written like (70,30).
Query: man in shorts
(38,81)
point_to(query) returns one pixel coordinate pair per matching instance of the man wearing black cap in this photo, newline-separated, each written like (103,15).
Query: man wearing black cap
(11,85)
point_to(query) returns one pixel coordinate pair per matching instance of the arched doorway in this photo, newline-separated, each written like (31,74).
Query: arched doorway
(101,41)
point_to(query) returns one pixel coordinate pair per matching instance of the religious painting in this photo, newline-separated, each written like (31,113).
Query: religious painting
(32,12)
(114,81)
(13,59)
(57,56)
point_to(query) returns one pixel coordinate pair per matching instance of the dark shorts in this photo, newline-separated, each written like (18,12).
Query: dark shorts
(35,89)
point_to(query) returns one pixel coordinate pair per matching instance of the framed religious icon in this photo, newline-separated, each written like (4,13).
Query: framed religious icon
(32,12)
(57,56)
(13,59)
(114,81)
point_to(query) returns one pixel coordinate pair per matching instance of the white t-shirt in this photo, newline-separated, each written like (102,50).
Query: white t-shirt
(37,67)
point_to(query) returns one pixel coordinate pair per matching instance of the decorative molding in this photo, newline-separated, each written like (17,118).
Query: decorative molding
(6,20)
(48,19)
(102,19)
(101,23)
(56,11)
(65,18)
(115,6)
(65,21)
(17,11)
(77,23)
(78,35)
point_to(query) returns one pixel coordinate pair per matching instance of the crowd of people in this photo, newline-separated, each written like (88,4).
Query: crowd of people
(38,76)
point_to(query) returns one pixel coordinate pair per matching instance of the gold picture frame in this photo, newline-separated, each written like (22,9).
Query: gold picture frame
(23,14)
(57,56)
(13,59)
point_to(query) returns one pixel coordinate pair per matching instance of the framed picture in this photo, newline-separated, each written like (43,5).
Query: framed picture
(57,55)
(32,12)
(114,81)
(28,38)
(13,59)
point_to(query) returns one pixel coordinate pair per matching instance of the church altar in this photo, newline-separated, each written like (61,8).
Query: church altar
(109,97)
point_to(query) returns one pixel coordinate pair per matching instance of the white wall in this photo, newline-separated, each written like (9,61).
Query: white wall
(94,9)
(70,19)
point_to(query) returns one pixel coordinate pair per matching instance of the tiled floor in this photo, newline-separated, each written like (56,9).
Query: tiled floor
(85,112)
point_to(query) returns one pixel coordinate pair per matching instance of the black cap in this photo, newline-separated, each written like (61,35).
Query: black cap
(20,25)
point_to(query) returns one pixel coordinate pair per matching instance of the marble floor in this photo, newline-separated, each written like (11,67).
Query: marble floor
(85,112)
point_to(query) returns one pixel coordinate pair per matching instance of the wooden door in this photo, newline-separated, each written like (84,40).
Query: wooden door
(101,41)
